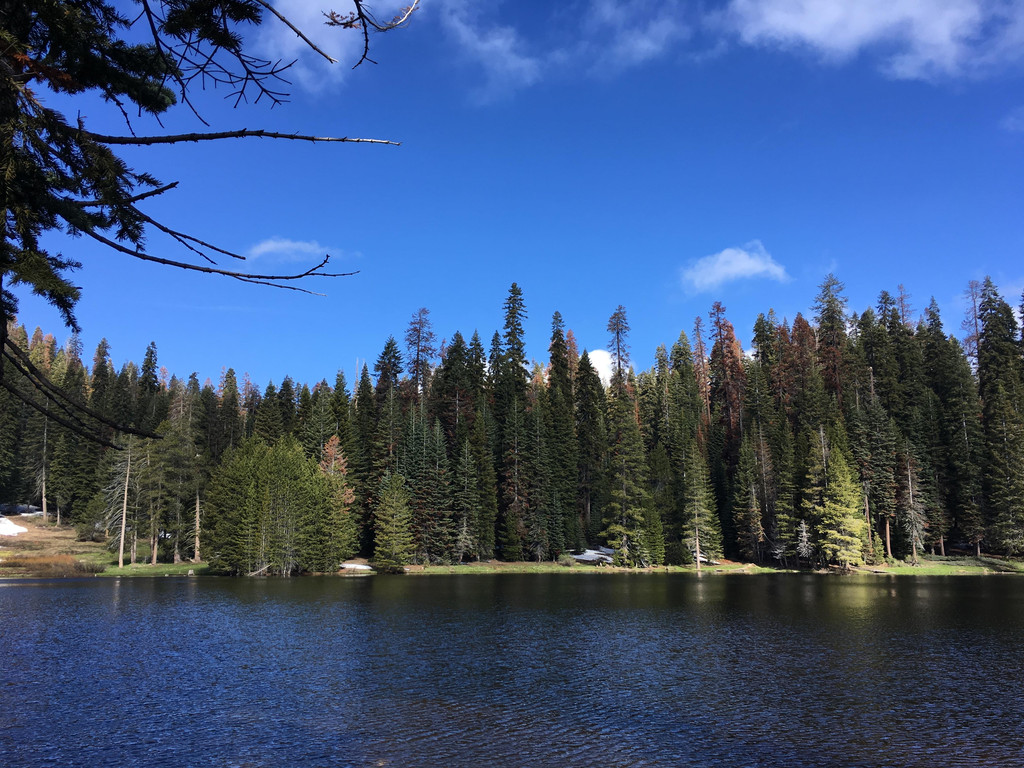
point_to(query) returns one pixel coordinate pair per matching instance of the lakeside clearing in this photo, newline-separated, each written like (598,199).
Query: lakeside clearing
(46,550)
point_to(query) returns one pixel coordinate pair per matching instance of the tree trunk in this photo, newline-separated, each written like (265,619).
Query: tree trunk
(888,541)
(696,540)
(124,510)
(46,430)
(154,538)
(867,519)
(196,558)
(942,545)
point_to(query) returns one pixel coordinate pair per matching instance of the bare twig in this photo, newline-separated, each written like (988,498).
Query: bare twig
(272,280)
(284,20)
(244,133)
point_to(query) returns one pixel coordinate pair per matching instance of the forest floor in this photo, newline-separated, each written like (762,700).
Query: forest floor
(46,550)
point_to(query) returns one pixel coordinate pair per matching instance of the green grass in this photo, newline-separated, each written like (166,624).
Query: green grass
(160,569)
(550,567)
(949,566)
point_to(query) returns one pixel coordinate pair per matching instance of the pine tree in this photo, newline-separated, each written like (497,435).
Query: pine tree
(514,485)
(592,443)
(321,424)
(509,357)
(341,409)
(390,418)
(841,527)
(393,539)
(361,459)
(329,533)
(269,426)
(830,309)
(911,501)
(466,506)
(542,524)
(747,504)
(420,342)
(487,487)
(561,441)
(625,511)
(1001,387)
(1004,475)
(452,396)
(702,532)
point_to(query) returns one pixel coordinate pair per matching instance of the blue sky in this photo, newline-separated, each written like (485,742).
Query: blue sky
(657,155)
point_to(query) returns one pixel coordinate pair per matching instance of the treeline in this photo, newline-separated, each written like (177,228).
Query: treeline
(840,439)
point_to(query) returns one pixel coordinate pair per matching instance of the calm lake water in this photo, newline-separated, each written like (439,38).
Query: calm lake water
(514,670)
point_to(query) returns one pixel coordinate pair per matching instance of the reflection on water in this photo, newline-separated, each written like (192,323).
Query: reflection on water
(518,670)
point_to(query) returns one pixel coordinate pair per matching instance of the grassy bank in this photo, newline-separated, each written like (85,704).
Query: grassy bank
(50,551)
(497,566)
(948,566)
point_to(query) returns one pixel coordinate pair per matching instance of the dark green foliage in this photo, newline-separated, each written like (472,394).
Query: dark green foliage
(328,534)
(269,426)
(321,424)
(496,462)
(702,534)
(269,512)
(425,466)
(627,516)
(840,526)
(393,538)
(453,392)
(560,436)
(466,507)
(592,442)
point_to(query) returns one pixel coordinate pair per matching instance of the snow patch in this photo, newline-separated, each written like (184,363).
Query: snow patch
(7,528)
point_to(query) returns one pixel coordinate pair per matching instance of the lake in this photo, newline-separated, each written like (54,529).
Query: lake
(514,670)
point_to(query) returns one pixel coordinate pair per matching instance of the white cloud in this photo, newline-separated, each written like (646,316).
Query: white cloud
(750,261)
(499,50)
(1013,122)
(922,39)
(281,249)
(599,37)
(627,33)
(602,362)
(273,40)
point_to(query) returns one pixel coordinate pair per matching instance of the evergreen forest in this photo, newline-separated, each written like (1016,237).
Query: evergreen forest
(836,439)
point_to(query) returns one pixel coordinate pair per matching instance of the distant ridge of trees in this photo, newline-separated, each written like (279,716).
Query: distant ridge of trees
(842,438)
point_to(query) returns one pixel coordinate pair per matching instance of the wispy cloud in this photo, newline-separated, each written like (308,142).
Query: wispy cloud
(629,33)
(599,37)
(311,72)
(281,249)
(910,39)
(750,261)
(1013,122)
(498,49)
(917,39)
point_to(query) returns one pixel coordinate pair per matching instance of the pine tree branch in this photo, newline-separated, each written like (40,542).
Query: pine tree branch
(243,133)
(130,200)
(78,430)
(39,380)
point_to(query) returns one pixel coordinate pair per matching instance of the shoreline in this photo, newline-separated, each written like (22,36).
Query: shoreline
(46,551)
